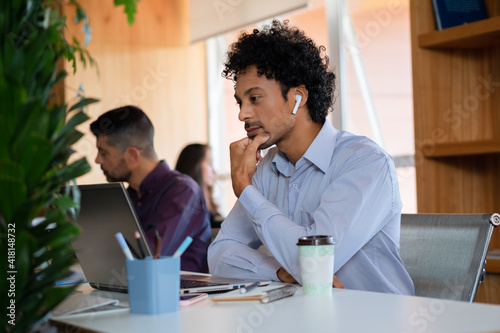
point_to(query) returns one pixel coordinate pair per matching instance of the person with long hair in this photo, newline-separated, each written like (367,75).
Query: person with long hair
(195,160)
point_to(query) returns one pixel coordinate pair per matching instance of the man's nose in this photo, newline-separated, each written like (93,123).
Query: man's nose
(245,112)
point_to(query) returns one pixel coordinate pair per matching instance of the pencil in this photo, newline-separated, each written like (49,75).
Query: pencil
(131,248)
(183,247)
(124,246)
(249,287)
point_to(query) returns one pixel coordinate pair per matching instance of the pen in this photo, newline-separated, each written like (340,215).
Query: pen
(138,238)
(67,283)
(249,287)
(157,245)
(123,245)
(266,297)
(183,247)
(134,254)
(278,293)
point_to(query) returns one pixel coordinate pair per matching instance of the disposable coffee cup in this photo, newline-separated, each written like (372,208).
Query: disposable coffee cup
(316,257)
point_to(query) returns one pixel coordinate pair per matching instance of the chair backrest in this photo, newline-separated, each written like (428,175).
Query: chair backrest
(445,253)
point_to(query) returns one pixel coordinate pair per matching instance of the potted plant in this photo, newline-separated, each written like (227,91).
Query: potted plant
(36,135)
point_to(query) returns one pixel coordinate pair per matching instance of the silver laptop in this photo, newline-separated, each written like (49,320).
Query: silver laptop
(105,209)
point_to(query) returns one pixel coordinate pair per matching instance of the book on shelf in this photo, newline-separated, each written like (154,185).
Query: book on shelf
(450,13)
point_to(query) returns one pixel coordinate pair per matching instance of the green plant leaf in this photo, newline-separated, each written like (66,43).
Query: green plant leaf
(12,97)
(77,119)
(13,194)
(57,119)
(35,146)
(38,304)
(25,246)
(63,250)
(36,158)
(65,202)
(130,8)
(60,235)
(68,172)
(83,103)
(68,135)
(49,275)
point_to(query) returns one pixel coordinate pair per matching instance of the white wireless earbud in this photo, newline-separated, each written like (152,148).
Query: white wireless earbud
(298,99)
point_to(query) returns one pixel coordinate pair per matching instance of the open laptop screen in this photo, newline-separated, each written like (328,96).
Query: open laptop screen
(105,210)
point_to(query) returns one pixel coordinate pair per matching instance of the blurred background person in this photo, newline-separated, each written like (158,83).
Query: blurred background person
(195,160)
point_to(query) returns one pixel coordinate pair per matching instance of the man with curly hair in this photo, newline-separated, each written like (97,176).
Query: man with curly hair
(317,180)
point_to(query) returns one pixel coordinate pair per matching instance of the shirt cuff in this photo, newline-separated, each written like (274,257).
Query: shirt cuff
(270,269)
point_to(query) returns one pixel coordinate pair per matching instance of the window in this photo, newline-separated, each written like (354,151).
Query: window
(375,69)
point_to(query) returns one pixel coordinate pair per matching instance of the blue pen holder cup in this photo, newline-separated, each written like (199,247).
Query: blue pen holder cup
(153,285)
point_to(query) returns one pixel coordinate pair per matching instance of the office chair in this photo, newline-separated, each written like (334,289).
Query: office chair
(445,253)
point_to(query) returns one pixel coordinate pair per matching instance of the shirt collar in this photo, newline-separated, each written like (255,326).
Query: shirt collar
(153,179)
(321,149)
(319,152)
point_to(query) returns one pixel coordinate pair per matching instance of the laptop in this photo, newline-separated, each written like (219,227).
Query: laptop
(106,209)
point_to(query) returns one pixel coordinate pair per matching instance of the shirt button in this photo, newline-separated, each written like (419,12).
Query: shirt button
(295,186)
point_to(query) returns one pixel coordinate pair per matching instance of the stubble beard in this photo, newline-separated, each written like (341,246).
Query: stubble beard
(122,174)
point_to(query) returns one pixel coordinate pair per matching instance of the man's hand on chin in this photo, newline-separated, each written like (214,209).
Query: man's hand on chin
(245,155)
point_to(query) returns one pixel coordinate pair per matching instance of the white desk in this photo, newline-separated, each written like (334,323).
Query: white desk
(344,311)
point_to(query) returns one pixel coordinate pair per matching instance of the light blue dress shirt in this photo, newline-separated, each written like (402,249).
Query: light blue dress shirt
(345,186)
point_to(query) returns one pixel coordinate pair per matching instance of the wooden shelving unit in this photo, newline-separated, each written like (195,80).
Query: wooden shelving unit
(462,148)
(456,92)
(480,34)
(456,112)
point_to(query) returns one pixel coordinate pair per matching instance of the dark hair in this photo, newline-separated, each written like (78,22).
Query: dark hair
(285,54)
(189,161)
(125,127)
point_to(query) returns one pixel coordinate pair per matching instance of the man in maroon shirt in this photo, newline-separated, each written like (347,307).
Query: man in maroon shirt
(164,199)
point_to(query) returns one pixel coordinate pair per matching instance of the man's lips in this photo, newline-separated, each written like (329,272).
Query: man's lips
(252,131)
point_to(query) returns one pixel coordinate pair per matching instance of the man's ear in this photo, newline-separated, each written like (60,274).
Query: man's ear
(132,157)
(302,91)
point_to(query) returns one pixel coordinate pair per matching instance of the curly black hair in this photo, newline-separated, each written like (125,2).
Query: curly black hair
(285,54)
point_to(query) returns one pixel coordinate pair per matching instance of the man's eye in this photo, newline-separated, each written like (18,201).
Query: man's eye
(254,98)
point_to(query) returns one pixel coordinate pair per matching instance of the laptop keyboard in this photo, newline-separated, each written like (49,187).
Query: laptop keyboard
(186,284)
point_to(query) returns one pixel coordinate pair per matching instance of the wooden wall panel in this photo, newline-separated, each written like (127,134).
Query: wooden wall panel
(457,148)
(147,65)
(489,290)
(459,184)
(456,94)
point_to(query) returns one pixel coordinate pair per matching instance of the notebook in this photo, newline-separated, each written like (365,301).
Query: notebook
(106,209)
(82,304)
